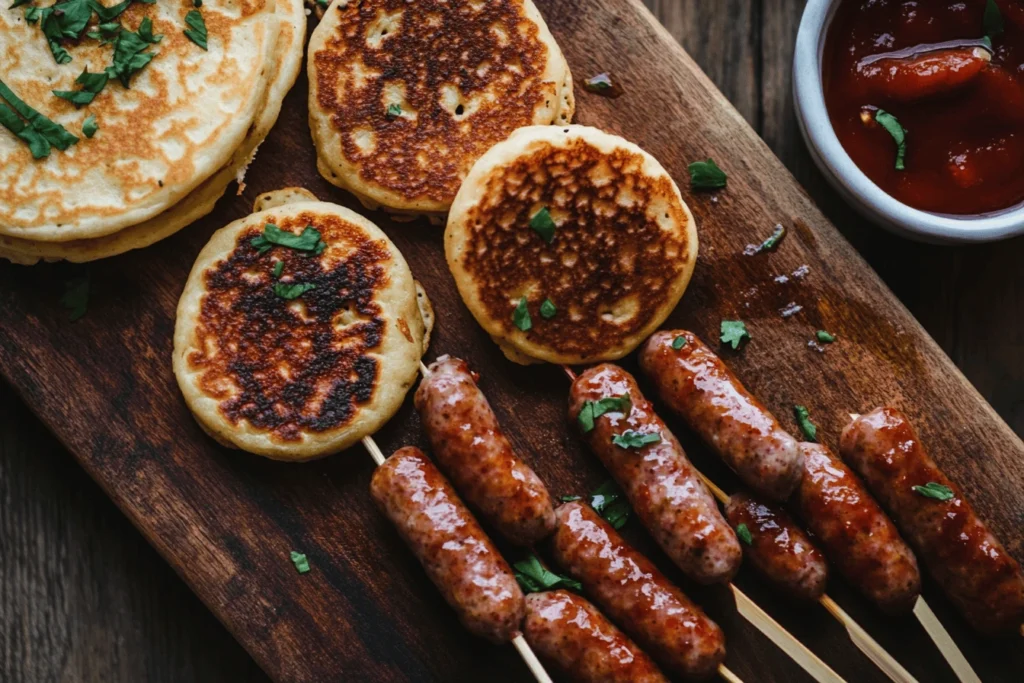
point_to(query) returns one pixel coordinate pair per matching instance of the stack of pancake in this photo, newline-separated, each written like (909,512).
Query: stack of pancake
(191,89)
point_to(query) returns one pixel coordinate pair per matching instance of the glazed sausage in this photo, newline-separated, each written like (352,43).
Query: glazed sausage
(472,450)
(779,548)
(695,383)
(860,539)
(630,590)
(453,549)
(663,487)
(926,75)
(568,632)
(967,561)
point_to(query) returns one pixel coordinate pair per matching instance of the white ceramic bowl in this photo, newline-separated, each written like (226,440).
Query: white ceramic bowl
(849,180)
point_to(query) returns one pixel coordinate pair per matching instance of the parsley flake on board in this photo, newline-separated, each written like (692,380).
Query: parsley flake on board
(705,175)
(92,84)
(309,240)
(825,337)
(733,333)
(76,297)
(599,83)
(292,291)
(993,20)
(89,127)
(543,224)
(592,410)
(533,577)
(196,30)
(300,561)
(934,490)
(743,533)
(610,502)
(548,309)
(521,316)
(803,420)
(898,133)
(633,439)
(679,342)
(38,131)
(772,240)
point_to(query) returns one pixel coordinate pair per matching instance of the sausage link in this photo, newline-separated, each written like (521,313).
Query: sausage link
(697,385)
(779,548)
(472,450)
(630,590)
(913,78)
(569,632)
(664,489)
(453,549)
(967,561)
(860,539)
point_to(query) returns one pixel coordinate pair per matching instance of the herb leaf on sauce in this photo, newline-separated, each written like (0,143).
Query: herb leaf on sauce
(733,333)
(533,577)
(292,291)
(992,22)
(300,561)
(803,420)
(705,175)
(610,502)
(743,533)
(196,30)
(898,133)
(543,224)
(679,342)
(633,439)
(934,490)
(592,410)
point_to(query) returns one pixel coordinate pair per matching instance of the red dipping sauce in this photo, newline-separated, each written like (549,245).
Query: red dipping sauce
(962,107)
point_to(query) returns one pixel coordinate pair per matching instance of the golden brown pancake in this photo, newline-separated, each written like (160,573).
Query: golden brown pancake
(457,77)
(622,252)
(301,378)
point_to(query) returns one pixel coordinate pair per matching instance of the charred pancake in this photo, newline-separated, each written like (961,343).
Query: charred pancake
(620,256)
(405,96)
(284,69)
(300,378)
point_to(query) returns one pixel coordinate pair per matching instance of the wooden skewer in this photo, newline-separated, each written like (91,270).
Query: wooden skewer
(522,647)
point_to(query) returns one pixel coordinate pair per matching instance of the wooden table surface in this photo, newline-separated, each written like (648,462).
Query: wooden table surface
(84,598)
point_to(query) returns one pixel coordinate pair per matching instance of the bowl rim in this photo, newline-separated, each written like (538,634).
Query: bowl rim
(832,158)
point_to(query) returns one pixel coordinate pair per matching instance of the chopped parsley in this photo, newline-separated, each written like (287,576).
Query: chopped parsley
(67,21)
(705,175)
(105,33)
(633,439)
(278,268)
(38,131)
(803,420)
(825,337)
(679,342)
(733,333)
(543,224)
(309,240)
(548,309)
(76,297)
(934,490)
(743,533)
(394,111)
(993,20)
(89,127)
(569,499)
(292,291)
(521,316)
(535,578)
(300,561)
(898,133)
(130,52)
(610,502)
(197,3)
(592,410)
(92,84)
(773,240)
(196,30)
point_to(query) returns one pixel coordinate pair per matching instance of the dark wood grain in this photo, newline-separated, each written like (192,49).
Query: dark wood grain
(226,521)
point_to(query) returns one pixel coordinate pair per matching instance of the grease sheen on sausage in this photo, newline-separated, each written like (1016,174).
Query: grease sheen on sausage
(638,597)
(568,632)
(966,559)
(456,553)
(697,385)
(779,548)
(664,489)
(860,539)
(472,450)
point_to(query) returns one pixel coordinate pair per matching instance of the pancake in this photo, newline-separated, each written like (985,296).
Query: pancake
(201,201)
(182,119)
(302,378)
(622,252)
(464,73)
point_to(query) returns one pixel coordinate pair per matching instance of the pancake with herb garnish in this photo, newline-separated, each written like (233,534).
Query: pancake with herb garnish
(404,97)
(569,245)
(171,108)
(201,201)
(298,332)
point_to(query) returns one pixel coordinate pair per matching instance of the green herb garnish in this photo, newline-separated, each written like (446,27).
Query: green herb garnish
(547,309)
(92,84)
(743,533)
(705,175)
(543,225)
(898,133)
(38,131)
(610,502)
(196,30)
(76,297)
(300,561)
(394,111)
(679,342)
(89,126)
(733,332)
(309,240)
(129,52)
(934,490)
(632,439)
(803,419)
(521,316)
(105,33)
(278,268)
(535,578)
(569,499)
(825,337)
(773,240)
(592,410)
(992,22)
(292,291)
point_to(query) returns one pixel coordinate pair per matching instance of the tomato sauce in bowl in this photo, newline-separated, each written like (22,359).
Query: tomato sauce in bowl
(945,77)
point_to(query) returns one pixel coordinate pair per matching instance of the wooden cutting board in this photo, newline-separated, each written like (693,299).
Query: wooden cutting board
(366,612)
